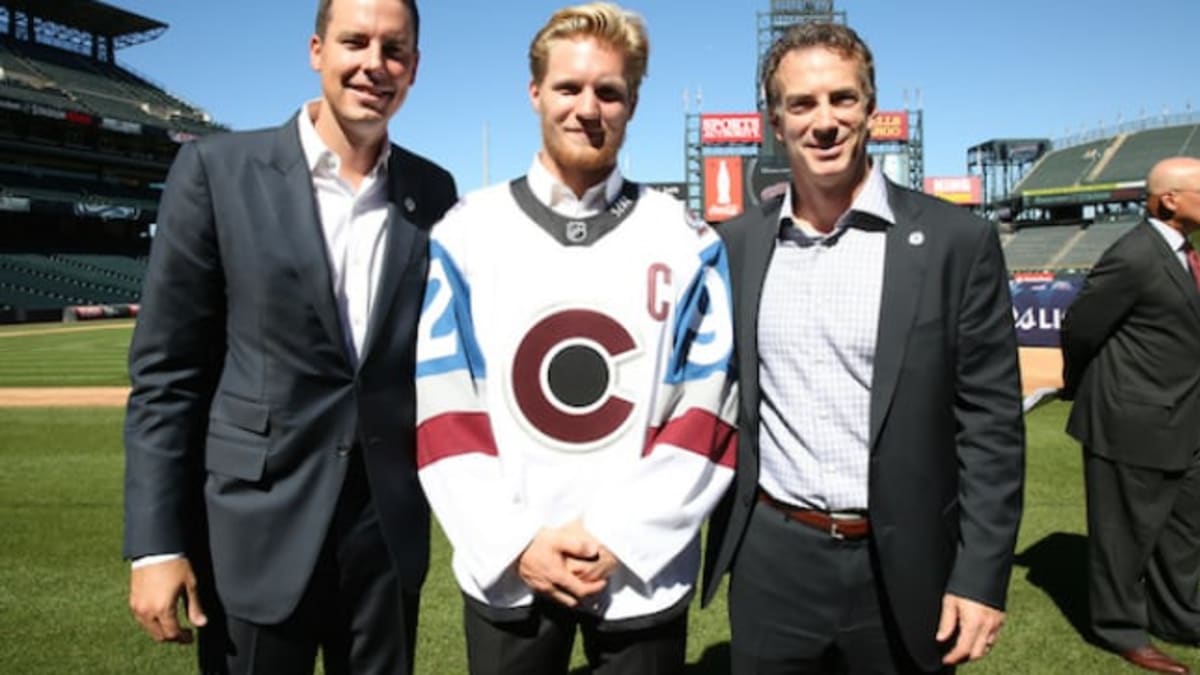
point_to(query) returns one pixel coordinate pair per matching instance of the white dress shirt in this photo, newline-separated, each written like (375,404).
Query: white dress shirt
(1174,239)
(353,223)
(562,200)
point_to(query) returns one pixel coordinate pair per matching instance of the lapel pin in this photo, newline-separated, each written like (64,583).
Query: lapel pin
(409,204)
(916,239)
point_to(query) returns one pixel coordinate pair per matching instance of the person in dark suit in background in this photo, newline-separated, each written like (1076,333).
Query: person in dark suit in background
(881,451)
(1131,361)
(270,471)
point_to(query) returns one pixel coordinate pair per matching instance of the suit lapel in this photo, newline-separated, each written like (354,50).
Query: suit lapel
(295,209)
(398,256)
(1181,277)
(905,259)
(755,258)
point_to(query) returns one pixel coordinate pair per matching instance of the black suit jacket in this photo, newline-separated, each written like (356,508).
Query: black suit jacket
(1131,356)
(946,426)
(245,405)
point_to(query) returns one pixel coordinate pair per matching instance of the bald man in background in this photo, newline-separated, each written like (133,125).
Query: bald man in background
(1131,352)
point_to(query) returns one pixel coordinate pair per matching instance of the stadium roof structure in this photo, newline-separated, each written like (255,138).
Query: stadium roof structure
(71,16)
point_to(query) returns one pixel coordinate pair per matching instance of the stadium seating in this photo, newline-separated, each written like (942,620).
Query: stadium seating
(1062,168)
(1139,151)
(12,296)
(116,270)
(97,87)
(62,184)
(1123,158)
(48,96)
(1094,240)
(61,283)
(1035,248)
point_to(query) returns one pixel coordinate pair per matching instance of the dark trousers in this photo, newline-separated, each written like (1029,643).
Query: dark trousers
(541,643)
(801,601)
(353,610)
(1143,552)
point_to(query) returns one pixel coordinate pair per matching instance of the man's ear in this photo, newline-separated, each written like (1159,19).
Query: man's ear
(1162,206)
(412,75)
(776,123)
(535,95)
(314,51)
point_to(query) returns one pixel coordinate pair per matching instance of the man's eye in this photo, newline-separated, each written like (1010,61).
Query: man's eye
(610,95)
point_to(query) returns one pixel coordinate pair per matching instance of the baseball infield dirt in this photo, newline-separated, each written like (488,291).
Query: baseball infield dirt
(1040,368)
(29,397)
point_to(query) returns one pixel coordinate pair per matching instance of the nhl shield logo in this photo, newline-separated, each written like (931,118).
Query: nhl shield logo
(577,231)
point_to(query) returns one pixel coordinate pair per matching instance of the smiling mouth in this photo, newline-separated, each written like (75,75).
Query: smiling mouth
(831,150)
(592,138)
(376,94)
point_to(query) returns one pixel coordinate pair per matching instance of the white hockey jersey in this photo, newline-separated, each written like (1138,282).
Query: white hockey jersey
(576,368)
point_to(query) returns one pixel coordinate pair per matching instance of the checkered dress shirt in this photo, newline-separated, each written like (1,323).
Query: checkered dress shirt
(817,326)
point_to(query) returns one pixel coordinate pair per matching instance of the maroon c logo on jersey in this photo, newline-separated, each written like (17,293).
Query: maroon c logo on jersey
(561,375)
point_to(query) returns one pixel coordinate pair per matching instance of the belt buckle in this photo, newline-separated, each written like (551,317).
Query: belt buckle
(834,532)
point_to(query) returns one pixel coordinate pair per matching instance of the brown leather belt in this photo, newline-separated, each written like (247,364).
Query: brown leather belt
(836,526)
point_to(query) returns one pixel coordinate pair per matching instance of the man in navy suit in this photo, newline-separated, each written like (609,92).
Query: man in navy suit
(270,472)
(881,444)
(1131,361)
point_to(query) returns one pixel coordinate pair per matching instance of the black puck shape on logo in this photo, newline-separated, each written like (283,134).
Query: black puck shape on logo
(577,376)
(573,403)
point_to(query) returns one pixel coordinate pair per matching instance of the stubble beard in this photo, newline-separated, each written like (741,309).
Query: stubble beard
(585,159)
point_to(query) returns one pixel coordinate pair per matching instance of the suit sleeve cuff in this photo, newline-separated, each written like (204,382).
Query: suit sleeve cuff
(148,560)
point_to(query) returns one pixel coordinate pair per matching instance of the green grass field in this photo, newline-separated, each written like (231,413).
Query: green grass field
(70,355)
(63,584)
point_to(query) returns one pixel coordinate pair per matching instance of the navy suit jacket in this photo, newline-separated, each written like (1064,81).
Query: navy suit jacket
(245,406)
(946,427)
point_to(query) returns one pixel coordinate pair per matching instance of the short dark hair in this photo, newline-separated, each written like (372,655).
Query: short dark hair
(323,18)
(832,36)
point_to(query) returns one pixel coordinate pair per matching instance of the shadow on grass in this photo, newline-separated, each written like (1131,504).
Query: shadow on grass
(1057,564)
(714,661)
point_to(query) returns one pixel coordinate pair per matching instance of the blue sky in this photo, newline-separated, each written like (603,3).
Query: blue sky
(1019,68)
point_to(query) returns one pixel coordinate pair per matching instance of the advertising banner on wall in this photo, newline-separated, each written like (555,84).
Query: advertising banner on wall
(730,128)
(1040,302)
(965,190)
(889,125)
(723,188)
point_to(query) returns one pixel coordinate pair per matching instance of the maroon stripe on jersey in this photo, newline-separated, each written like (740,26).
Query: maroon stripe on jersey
(454,434)
(697,431)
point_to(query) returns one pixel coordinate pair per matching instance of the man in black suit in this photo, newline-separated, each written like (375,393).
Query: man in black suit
(270,472)
(881,451)
(1131,361)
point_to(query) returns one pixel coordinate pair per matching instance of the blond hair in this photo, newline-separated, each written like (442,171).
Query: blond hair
(609,24)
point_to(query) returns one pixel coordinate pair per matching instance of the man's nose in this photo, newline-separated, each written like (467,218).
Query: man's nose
(374,58)
(824,117)
(588,105)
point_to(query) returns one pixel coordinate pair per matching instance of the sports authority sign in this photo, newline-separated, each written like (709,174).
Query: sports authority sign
(730,128)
